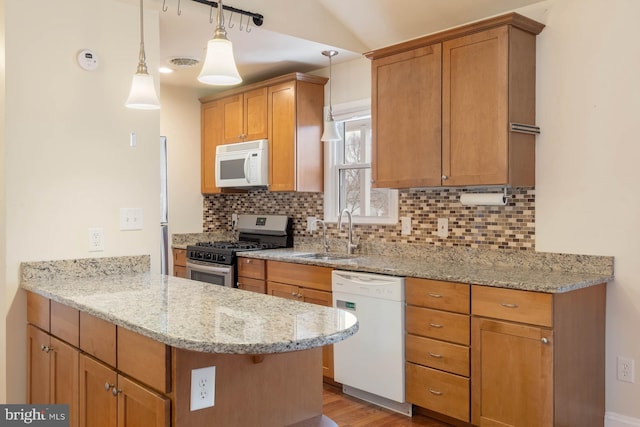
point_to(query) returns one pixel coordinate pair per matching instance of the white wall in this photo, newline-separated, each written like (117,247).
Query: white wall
(587,197)
(3,293)
(68,162)
(180,123)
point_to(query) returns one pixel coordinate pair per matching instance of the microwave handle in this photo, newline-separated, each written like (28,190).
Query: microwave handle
(246,167)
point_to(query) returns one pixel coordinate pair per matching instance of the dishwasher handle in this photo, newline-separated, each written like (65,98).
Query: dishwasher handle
(367,279)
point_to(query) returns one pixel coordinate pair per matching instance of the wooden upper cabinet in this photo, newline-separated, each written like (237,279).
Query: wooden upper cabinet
(295,128)
(245,116)
(443,104)
(405,107)
(488,83)
(212,135)
(287,111)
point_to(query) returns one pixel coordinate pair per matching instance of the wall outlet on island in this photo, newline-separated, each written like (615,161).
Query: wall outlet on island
(203,388)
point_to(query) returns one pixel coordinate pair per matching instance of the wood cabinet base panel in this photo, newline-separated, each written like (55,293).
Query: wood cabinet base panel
(284,389)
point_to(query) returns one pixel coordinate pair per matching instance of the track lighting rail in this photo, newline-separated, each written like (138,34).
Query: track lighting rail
(257,18)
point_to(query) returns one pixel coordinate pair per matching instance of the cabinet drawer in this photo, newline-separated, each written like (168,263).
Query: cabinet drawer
(442,325)
(65,323)
(38,311)
(98,338)
(440,295)
(307,276)
(535,308)
(144,359)
(438,391)
(249,267)
(253,285)
(438,354)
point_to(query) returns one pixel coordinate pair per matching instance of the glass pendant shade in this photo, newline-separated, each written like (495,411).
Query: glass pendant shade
(143,93)
(330,131)
(219,66)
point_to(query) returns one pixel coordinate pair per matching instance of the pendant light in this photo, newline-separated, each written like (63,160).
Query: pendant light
(330,126)
(219,66)
(143,92)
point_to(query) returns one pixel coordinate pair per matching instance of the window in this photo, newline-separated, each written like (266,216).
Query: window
(348,171)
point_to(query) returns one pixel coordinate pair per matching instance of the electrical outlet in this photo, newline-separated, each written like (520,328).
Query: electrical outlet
(234,221)
(311,224)
(443,228)
(96,240)
(625,369)
(131,219)
(203,387)
(406,225)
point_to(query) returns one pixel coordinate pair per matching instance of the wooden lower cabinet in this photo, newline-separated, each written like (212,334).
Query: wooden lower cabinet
(537,359)
(438,391)
(283,280)
(252,275)
(180,262)
(52,372)
(108,399)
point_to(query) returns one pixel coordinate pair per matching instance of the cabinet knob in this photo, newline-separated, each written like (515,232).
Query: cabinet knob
(108,386)
(293,294)
(45,348)
(444,177)
(115,391)
(544,340)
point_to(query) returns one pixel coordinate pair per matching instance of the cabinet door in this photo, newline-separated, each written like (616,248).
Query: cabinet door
(313,296)
(475,108)
(512,371)
(406,119)
(255,114)
(253,285)
(232,112)
(283,291)
(211,128)
(282,137)
(98,405)
(38,366)
(64,362)
(139,406)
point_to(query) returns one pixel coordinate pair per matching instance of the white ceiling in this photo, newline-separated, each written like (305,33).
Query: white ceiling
(296,31)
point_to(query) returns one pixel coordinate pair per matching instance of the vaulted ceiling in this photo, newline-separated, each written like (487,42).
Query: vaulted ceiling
(296,31)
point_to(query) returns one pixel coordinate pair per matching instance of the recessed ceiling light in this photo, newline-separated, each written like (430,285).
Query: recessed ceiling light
(183,62)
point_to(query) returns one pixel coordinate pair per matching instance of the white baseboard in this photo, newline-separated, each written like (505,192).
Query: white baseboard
(611,419)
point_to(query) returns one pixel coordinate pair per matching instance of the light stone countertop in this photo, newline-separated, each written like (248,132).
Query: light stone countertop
(193,315)
(549,273)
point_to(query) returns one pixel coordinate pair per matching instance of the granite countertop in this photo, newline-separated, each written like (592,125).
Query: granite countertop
(194,315)
(550,273)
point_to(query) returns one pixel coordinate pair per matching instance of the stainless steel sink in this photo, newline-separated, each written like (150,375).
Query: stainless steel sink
(325,257)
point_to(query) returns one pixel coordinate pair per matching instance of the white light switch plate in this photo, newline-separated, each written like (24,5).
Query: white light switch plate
(131,219)
(443,228)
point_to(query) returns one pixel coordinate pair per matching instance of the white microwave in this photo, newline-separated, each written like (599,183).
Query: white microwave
(243,164)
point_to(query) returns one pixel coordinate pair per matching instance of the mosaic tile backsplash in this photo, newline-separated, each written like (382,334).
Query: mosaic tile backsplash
(483,227)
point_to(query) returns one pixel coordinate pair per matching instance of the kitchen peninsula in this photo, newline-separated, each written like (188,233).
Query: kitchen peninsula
(132,339)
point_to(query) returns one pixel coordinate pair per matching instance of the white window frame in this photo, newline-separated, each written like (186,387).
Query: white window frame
(332,155)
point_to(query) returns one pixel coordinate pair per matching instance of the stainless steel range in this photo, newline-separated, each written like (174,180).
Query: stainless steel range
(215,262)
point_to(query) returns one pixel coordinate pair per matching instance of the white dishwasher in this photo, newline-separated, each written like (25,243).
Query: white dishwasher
(370,364)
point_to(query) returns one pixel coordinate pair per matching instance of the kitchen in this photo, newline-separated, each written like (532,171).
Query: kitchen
(585,106)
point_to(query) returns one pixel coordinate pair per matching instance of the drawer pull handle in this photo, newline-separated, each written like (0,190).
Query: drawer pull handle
(544,340)
(432,295)
(437,356)
(507,305)
(435,392)
(435,325)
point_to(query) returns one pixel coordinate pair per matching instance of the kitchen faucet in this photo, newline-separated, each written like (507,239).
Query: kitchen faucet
(325,244)
(350,245)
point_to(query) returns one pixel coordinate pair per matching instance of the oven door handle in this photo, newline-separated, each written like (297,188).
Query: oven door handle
(208,268)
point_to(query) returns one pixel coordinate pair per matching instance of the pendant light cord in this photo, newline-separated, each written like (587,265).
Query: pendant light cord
(330,90)
(142,59)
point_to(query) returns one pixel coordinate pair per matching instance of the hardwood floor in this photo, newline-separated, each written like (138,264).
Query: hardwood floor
(349,411)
